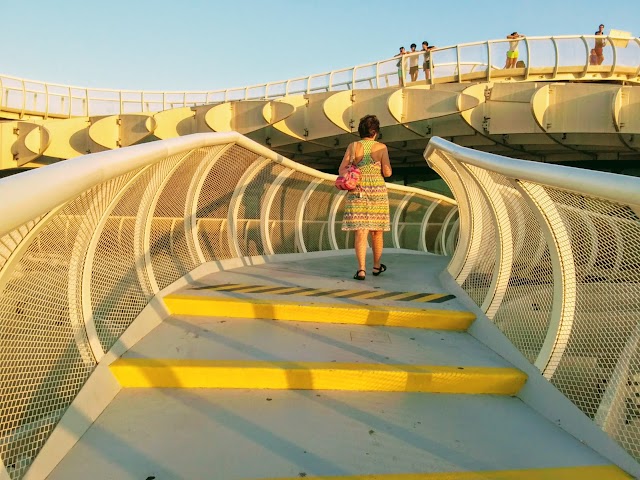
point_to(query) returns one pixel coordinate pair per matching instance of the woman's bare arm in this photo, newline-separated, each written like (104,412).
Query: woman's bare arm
(346,159)
(385,163)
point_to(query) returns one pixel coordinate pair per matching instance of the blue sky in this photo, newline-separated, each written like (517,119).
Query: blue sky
(208,45)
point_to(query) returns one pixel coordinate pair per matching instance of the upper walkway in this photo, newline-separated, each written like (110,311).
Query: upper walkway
(558,107)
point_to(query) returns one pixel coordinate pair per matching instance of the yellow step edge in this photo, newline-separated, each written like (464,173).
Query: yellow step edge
(596,472)
(257,374)
(179,304)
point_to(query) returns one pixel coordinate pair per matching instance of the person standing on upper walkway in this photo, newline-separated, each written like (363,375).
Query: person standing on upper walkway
(413,62)
(512,53)
(599,45)
(401,67)
(426,64)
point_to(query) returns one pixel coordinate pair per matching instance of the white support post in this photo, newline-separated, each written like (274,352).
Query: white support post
(236,200)
(200,174)
(299,218)
(424,225)
(265,211)
(564,275)
(395,233)
(338,198)
(87,269)
(503,238)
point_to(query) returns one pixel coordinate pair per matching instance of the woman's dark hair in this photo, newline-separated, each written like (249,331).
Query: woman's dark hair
(368,126)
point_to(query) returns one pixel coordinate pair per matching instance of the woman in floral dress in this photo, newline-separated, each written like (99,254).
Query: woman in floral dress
(366,208)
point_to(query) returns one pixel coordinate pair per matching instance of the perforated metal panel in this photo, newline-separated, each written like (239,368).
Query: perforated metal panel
(315,223)
(558,273)
(73,280)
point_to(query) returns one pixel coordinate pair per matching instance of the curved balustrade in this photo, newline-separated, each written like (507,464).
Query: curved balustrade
(86,244)
(545,58)
(552,255)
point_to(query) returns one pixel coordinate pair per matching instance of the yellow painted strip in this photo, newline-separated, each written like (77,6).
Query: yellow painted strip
(319,312)
(401,296)
(344,292)
(430,298)
(181,373)
(365,294)
(310,293)
(222,288)
(597,472)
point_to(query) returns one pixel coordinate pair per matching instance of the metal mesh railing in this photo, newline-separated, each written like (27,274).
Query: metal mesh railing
(85,245)
(552,255)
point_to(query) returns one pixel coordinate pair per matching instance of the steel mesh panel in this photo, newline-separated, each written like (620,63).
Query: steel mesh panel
(524,314)
(170,254)
(215,196)
(282,214)
(250,209)
(45,357)
(478,281)
(395,200)
(120,286)
(11,240)
(315,226)
(604,240)
(452,235)
(343,239)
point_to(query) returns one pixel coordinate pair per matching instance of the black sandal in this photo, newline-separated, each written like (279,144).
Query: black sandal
(359,277)
(381,268)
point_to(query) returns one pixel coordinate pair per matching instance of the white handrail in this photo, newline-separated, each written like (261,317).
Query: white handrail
(375,68)
(550,254)
(616,188)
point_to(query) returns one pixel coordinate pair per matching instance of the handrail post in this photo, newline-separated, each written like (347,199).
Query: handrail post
(24,98)
(330,81)
(309,84)
(70,102)
(615,56)
(587,56)
(266,91)
(377,74)
(557,53)
(353,78)
(86,102)
(46,99)
(458,64)
(164,101)
(527,48)
(488,60)
(184,99)
(120,102)
(637,71)
(286,88)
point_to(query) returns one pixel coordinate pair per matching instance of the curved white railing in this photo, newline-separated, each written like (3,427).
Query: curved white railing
(544,58)
(86,244)
(552,255)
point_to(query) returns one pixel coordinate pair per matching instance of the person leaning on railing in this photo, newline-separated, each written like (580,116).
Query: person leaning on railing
(366,208)
(512,53)
(599,45)
(400,67)
(426,64)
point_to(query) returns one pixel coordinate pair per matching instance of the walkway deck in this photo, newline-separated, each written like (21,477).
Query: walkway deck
(308,431)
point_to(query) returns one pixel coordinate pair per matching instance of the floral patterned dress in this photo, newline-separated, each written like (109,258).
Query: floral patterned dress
(367,207)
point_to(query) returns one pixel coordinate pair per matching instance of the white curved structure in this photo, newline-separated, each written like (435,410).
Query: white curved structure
(551,254)
(86,245)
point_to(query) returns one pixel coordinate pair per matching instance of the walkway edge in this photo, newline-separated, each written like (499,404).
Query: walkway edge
(319,312)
